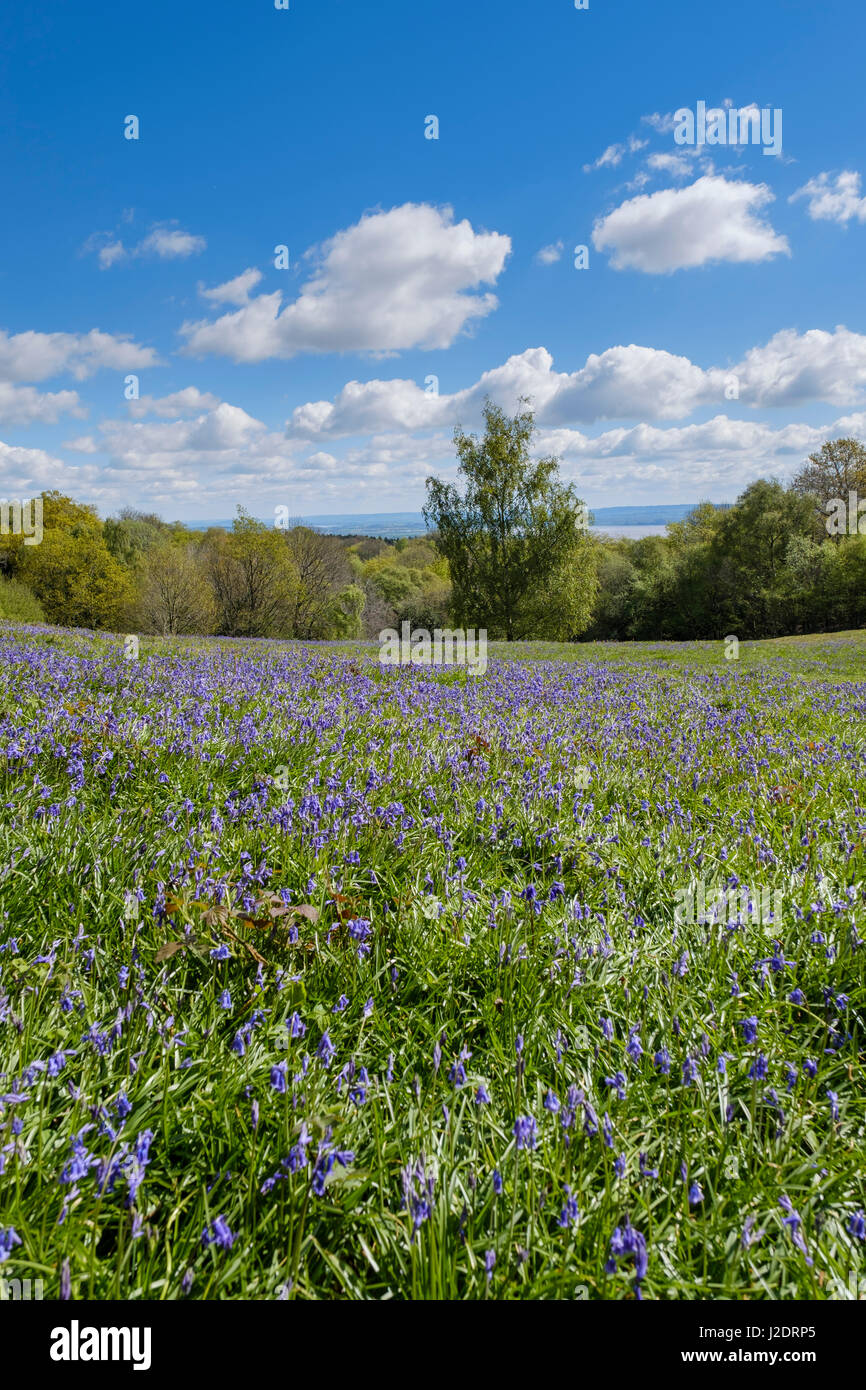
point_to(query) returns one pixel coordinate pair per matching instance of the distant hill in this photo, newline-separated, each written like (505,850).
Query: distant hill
(408,524)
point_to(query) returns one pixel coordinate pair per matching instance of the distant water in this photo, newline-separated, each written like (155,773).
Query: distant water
(630,522)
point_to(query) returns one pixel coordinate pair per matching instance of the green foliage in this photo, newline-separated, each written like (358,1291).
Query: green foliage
(519,563)
(18,604)
(761,568)
(76,579)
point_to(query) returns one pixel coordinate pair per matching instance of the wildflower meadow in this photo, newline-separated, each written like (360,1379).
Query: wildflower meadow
(322,978)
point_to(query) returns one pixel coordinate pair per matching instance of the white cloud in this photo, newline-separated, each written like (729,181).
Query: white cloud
(677,165)
(33,356)
(189,401)
(608,159)
(663,124)
(549,255)
(712,220)
(394,280)
(623,382)
(24,405)
(110,254)
(833,198)
(171,243)
(236,291)
(793,369)
(165,240)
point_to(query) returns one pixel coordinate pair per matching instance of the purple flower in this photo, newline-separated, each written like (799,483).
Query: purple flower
(326,1051)
(747,1238)
(618,1083)
(8,1238)
(646,1172)
(662,1060)
(569,1216)
(857,1225)
(525,1132)
(750,1029)
(219,1234)
(793,1221)
(690,1071)
(627,1243)
(418,1188)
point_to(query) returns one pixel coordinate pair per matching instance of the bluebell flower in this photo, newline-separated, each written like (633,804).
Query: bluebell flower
(8,1238)
(617,1082)
(793,1221)
(857,1225)
(525,1132)
(748,1238)
(569,1215)
(625,1243)
(662,1060)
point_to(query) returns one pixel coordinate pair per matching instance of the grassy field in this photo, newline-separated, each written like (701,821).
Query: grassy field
(323,979)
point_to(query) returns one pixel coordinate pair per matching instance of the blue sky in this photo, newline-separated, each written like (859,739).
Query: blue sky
(716,335)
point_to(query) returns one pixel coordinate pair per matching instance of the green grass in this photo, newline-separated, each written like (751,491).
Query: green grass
(457,796)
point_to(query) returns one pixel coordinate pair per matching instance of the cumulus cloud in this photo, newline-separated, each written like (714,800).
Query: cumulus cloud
(713,219)
(395,280)
(719,455)
(24,472)
(236,291)
(793,369)
(623,382)
(833,198)
(24,405)
(549,255)
(677,165)
(189,401)
(165,240)
(33,356)
(612,156)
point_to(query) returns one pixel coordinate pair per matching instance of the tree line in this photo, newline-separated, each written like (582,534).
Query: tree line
(508,550)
